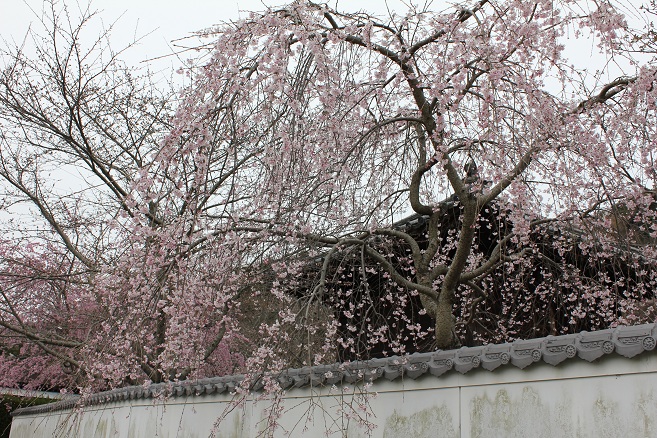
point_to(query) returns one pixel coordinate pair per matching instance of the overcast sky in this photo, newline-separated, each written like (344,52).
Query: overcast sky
(160,22)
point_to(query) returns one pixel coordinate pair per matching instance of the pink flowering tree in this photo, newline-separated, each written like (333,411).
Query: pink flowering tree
(357,121)
(256,219)
(34,294)
(105,278)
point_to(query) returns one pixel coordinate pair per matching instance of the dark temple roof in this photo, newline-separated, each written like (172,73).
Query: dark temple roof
(588,346)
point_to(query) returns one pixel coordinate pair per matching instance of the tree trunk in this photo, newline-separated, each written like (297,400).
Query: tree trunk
(444,325)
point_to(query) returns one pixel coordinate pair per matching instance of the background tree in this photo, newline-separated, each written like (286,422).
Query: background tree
(105,278)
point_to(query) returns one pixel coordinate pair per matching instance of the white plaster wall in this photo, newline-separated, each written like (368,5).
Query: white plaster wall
(615,397)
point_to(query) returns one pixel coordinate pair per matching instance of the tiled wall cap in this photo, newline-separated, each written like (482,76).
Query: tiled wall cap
(635,340)
(285,381)
(393,371)
(625,341)
(526,352)
(495,356)
(415,370)
(374,373)
(559,348)
(591,346)
(441,362)
(468,358)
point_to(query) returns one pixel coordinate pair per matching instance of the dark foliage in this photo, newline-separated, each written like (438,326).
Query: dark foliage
(534,296)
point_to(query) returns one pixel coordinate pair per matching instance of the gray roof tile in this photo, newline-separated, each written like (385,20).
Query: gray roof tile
(591,346)
(467,358)
(496,355)
(559,348)
(625,341)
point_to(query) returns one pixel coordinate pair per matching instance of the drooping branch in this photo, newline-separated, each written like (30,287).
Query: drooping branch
(607,92)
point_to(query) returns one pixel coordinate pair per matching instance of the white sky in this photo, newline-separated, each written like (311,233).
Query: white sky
(159,22)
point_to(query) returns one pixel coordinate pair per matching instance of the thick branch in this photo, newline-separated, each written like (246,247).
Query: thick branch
(397,277)
(38,338)
(607,92)
(522,165)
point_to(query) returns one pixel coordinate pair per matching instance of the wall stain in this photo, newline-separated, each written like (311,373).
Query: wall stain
(526,415)
(434,422)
